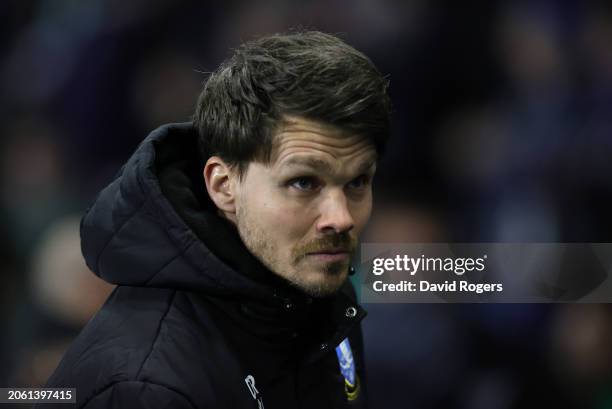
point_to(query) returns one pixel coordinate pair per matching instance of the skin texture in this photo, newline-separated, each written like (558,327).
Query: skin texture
(301,213)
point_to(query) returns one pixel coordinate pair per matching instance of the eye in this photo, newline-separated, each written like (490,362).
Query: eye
(359,182)
(304,184)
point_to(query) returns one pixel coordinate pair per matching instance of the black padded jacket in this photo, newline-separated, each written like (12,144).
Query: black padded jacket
(196,321)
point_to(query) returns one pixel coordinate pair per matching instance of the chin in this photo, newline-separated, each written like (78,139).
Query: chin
(324,284)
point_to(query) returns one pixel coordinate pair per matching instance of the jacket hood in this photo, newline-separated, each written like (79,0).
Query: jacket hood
(155,225)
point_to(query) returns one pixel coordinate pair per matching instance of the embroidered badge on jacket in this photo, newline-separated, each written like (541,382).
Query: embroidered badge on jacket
(347,368)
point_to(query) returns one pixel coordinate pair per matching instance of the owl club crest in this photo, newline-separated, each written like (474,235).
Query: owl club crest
(347,368)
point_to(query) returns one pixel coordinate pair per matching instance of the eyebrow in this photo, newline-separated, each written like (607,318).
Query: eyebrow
(321,164)
(309,162)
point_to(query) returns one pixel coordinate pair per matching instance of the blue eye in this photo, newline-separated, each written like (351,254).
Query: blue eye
(304,183)
(359,182)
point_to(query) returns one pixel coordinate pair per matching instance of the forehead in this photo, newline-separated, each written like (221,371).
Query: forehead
(300,141)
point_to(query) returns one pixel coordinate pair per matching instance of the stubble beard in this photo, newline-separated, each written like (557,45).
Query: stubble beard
(296,271)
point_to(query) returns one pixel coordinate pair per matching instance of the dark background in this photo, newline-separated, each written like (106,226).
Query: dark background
(501,133)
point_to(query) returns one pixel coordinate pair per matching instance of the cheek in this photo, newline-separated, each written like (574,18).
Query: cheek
(290,220)
(361,213)
(283,218)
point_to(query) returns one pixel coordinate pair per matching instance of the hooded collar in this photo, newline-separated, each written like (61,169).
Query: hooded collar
(133,235)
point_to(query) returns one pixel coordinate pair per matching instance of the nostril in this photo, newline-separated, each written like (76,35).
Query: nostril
(338,225)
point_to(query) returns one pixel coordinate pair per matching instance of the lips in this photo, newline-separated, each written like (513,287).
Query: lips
(330,255)
(331,251)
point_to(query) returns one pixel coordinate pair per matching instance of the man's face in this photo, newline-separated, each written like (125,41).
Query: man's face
(301,213)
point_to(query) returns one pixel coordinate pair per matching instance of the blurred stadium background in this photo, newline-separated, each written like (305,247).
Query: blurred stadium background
(502,132)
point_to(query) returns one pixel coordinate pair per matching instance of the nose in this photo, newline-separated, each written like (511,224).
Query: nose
(335,214)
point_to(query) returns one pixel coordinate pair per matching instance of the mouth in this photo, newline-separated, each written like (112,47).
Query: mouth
(330,255)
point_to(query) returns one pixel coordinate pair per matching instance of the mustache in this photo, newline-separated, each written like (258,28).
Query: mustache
(342,241)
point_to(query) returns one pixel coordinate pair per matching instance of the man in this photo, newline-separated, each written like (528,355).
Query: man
(230,241)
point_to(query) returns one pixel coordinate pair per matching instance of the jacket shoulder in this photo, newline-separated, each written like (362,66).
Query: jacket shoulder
(106,360)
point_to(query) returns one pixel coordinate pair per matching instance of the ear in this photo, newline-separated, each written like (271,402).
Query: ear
(219,178)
